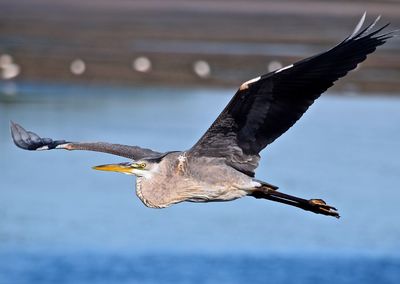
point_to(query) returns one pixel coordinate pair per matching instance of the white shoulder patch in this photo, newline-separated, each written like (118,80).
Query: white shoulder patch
(182,160)
(284,68)
(66,146)
(246,84)
(43,148)
(182,157)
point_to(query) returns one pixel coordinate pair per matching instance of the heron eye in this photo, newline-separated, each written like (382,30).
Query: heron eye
(142,165)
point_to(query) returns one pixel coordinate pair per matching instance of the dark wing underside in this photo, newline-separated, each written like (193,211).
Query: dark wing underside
(31,141)
(266,107)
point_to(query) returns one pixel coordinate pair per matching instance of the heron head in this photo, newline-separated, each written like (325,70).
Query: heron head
(141,168)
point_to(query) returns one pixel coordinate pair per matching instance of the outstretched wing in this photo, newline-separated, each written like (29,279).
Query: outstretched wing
(28,140)
(266,107)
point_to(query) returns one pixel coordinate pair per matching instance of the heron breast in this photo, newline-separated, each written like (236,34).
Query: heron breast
(151,195)
(139,193)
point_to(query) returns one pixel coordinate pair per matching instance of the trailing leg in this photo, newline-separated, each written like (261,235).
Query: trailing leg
(317,206)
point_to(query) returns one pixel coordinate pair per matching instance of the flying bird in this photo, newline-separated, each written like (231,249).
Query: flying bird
(221,165)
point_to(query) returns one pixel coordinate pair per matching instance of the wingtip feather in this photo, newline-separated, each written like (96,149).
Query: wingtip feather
(359,25)
(17,134)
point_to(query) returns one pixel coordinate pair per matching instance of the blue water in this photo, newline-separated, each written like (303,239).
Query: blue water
(187,268)
(61,222)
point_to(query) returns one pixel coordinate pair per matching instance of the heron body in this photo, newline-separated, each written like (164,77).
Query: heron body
(197,179)
(221,165)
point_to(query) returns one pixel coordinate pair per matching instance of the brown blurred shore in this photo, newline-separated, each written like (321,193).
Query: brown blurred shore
(180,43)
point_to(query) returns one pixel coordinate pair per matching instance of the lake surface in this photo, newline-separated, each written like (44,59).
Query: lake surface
(61,222)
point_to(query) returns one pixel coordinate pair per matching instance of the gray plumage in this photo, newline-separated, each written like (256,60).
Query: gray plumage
(221,165)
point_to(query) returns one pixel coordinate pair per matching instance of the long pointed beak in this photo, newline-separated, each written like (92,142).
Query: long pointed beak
(124,168)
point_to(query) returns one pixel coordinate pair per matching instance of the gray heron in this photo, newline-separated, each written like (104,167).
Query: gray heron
(221,165)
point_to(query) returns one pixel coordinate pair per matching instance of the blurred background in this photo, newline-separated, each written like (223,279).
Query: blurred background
(156,74)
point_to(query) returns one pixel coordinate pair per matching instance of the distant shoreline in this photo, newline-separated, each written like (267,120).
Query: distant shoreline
(13,91)
(210,44)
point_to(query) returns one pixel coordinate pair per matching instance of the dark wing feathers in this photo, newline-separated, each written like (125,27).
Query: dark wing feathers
(266,107)
(31,141)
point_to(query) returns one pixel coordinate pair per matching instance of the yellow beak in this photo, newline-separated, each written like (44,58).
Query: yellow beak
(124,168)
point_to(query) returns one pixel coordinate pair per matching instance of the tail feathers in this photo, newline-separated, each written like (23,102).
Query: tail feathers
(317,206)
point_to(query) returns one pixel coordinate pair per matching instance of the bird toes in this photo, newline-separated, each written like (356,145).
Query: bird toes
(320,205)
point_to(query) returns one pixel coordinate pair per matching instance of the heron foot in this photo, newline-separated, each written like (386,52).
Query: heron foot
(320,206)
